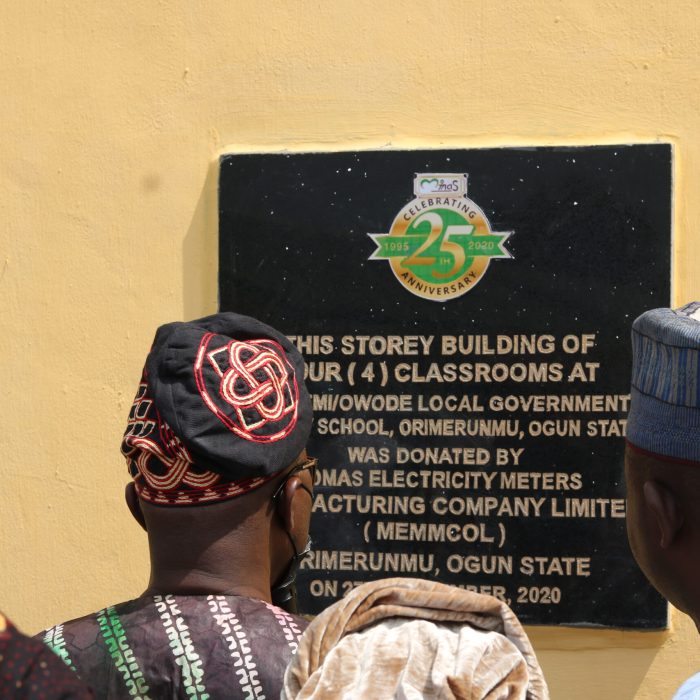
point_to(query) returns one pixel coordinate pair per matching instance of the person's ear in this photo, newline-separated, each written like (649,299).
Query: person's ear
(666,509)
(132,501)
(285,502)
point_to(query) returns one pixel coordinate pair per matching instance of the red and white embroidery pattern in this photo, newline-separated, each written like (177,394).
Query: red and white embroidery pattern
(250,386)
(162,467)
(156,455)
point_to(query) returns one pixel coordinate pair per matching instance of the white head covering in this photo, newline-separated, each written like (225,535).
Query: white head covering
(414,639)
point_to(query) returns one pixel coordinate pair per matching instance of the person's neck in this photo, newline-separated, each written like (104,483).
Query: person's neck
(201,583)
(222,568)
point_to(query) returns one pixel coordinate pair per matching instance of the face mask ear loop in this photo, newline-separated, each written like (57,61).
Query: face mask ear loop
(294,547)
(284,595)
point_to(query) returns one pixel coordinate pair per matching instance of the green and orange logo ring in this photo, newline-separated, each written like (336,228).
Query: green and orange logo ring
(440,244)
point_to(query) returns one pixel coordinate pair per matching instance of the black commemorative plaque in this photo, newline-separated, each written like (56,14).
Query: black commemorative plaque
(465,319)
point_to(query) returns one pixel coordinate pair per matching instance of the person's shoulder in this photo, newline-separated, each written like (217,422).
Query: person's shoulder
(89,645)
(253,607)
(79,641)
(85,621)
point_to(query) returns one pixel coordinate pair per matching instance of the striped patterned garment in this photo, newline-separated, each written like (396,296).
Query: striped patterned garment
(195,647)
(664,417)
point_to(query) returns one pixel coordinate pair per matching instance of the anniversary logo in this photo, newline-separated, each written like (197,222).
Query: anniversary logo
(440,244)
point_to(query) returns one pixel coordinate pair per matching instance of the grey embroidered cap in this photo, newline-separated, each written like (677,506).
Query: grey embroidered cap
(664,417)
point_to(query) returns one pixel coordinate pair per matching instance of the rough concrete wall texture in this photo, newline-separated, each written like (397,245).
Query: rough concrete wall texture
(113,117)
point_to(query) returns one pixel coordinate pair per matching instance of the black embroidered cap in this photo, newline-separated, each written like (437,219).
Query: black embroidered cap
(221,408)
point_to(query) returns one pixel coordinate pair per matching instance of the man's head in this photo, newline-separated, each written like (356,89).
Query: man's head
(662,457)
(215,444)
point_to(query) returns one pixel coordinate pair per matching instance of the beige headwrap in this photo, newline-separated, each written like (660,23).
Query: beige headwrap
(414,639)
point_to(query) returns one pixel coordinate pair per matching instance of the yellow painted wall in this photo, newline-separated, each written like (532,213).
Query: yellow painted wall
(112,117)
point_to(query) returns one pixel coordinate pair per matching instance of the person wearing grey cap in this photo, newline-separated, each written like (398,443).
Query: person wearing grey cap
(662,458)
(216,448)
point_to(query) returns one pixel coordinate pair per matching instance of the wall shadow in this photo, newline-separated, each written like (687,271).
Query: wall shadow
(200,253)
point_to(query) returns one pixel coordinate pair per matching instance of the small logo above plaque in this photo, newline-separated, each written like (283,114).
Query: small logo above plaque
(440,244)
(426,184)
